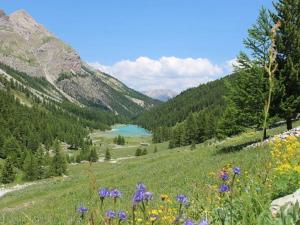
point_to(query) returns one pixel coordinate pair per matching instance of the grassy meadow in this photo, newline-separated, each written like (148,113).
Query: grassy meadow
(169,171)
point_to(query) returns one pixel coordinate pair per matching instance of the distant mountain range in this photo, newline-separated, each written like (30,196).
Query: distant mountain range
(161,94)
(28,47)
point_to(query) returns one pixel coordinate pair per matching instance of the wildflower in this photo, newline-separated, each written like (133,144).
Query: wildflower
(141,187)
(237,170)
(122,215)
(103,193)
(189,222)
(204,222)
(137,197)
(224,175)
(153,218)
(82,211)
(110,214)
(147,196)
(115,193)
(164,197)
(224,188)
(182,199)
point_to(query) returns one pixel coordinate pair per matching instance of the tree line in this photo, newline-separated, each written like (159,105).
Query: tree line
(264,89)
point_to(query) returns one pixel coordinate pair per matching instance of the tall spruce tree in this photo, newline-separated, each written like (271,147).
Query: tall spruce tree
(30,166)
(8,172)
(191,129)
(93,157)
(58,163)
(287,12)
(248,92)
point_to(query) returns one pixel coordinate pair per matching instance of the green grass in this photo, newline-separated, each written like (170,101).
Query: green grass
(179,170)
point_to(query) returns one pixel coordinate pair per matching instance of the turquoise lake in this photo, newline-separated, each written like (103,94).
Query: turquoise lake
(129,130)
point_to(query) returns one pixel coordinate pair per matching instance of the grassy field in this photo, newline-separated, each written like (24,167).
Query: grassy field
(175,171)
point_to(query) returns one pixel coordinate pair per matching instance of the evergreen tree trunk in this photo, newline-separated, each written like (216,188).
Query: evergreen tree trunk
(289,124)
(265,133)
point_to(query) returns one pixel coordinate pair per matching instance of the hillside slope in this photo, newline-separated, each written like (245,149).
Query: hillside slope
(54,201)
(204,97)
(29,47)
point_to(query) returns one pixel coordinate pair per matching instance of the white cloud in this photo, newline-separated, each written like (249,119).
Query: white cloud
(165,73)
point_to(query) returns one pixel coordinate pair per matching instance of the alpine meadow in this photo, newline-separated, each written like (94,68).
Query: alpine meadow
(169,112)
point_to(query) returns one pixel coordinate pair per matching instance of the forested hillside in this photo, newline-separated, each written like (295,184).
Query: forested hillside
(32,122)
(205,96)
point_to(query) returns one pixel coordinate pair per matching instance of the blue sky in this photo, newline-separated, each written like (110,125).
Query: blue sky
(107,32)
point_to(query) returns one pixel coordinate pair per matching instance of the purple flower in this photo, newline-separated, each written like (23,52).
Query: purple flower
(82,210)
(237,170)
(224,175)
(224,188)
(147,196)
(204,222)
(141,187)
(115,193)
(122,215)
(189,222)
(110,214)
(182,199)
(138,197)
(103,193)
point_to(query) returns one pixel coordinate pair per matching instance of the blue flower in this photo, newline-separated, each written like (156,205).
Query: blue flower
(189,222)
(237,170)
(103,193)
(82,210)
(110,214)
(224,188)
(138,197)
(182,199)
(204,222)
(224,175)
(122,215)
(141,187)
(147,196)
(115,193)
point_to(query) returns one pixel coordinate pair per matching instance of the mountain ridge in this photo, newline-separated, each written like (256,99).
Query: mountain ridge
(29,47)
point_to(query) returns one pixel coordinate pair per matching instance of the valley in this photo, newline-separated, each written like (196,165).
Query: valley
(55,199)
(135,127)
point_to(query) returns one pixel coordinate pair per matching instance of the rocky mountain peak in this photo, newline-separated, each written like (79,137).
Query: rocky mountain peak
(2,13)
(26,26)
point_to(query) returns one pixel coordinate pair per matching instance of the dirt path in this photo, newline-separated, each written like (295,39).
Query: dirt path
(4,191)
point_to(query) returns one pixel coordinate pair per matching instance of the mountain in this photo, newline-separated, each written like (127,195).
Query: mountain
(161,94)
(206,98)
(29,47)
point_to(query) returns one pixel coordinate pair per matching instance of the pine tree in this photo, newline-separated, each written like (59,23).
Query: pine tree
(93,157)
(191,129)
(12,149)
(247,93)
(107,155)
(58,164)
(288,47)
(138,152)
(8,172)
(41,163)
(30,166)
(145,151)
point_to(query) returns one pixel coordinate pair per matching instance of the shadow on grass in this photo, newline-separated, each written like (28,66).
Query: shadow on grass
(234,148)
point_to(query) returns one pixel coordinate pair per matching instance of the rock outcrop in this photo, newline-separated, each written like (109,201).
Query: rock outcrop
(284,202)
